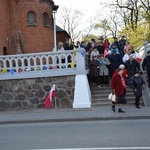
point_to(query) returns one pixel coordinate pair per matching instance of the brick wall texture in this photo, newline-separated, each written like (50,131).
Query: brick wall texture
(15,32)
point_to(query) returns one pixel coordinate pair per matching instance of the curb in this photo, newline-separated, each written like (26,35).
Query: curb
(74,119)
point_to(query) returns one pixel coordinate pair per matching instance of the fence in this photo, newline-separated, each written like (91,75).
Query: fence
(45,64)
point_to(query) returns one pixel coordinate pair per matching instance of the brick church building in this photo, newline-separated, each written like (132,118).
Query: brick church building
(26,26)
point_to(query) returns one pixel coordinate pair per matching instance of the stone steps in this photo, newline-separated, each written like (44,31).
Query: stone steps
(100,96)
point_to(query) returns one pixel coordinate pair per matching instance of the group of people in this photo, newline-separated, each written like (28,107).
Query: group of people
(117,60)
(110,57)
(119,86)
(120,62)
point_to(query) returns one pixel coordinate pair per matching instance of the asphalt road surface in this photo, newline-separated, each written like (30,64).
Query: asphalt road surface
(85,135)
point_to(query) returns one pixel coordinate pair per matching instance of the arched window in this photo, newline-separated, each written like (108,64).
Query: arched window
(31,18)
(45,19)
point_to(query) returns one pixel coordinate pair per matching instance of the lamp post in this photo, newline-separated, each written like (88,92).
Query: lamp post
(54,9)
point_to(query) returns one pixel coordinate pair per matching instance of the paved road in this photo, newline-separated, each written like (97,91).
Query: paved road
(114,134)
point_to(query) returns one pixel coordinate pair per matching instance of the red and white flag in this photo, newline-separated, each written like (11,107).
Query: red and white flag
(51,95)
(139,59)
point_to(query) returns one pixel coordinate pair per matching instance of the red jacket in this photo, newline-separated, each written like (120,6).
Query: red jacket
(124,74)
(106,44)
(116,84)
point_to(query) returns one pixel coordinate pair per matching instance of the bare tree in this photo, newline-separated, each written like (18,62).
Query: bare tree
(110,25)
(145,6)
(70,20)
(131,15)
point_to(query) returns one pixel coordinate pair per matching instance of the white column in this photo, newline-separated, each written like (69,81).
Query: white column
(82,94)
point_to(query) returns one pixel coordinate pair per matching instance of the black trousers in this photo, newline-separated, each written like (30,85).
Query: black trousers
(137,99)
(104,79)
(96,80)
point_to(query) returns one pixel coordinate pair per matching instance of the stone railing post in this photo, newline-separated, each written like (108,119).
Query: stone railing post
(80,59)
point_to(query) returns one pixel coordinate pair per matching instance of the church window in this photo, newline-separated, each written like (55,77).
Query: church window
(31,18)
(46,19)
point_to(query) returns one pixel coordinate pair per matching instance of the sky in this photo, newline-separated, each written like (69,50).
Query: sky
(88,7)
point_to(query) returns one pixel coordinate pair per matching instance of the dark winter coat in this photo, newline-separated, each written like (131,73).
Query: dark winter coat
(121,44)
(146,63)
(131,67)
(94,68)
(66,46)
(100,49)
(116,61)
(136,83)
(116,84)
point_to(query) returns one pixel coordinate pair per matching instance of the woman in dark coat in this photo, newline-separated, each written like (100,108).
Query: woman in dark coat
(132,65)
(137,84)
(118,87)
(94,71)
(115,60)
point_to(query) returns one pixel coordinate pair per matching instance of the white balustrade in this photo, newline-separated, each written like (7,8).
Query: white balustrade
(43,64)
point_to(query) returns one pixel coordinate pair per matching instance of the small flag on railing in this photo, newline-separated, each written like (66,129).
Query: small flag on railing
(12,71)
(51,95)
(82,53)
(3,70)
(72,64)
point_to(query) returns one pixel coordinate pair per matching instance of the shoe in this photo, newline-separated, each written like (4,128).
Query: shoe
(113,108)
(138,107)
(121,111)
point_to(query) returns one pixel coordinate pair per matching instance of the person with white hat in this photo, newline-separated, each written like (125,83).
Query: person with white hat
(124,74)
(118,87)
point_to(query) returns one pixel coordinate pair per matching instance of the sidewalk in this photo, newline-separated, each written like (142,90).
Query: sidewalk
(70,114)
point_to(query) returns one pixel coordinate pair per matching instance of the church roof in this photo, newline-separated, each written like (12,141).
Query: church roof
(59,29)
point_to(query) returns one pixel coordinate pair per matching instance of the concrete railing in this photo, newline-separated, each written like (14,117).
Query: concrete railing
(143,50)
(146,92)
(43,64)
